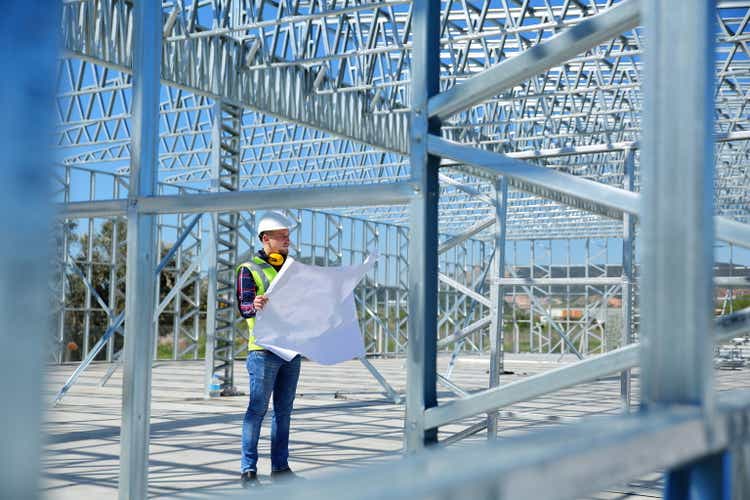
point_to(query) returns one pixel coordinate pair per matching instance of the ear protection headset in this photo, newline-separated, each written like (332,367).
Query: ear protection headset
(276,259)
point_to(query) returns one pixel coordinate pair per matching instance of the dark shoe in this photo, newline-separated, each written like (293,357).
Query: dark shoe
(249,479)
(284,475)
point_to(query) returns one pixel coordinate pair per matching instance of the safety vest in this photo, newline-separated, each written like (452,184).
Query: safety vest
(263,274)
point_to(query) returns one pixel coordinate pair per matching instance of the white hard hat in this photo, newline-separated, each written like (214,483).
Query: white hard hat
(272,221)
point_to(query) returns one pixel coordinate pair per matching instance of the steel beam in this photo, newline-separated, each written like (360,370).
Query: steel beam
(27,99)
(577,39)
(575,281)
(727,327)
(628,260)
(392,394)
(595,454)
(94,208)
(464,332)
(285,92)
(475,194)
(565,188)
(497,300)
(677,227)
(211,302)
(226,146)
(141,259)
(732,281)
(398,193)
(421,391)
(465,290)
(472,231)
(568,189)
(534,386)
(720,281)
(677,199)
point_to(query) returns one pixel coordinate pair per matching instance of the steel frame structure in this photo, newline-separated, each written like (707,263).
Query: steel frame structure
(462,123)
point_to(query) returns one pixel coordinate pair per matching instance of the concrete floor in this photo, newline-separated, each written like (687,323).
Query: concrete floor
(342,420)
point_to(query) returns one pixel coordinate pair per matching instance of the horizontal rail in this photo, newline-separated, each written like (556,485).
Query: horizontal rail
(727,327)
(321,197)
(556,50)
(595,454)
(567,189)
(722,281)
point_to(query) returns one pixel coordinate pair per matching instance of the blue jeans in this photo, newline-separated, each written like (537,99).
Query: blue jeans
(269,374)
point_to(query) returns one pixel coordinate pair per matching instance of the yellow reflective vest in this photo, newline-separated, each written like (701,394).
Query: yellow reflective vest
(263,274)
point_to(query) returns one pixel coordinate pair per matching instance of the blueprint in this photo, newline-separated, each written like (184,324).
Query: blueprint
(310,311)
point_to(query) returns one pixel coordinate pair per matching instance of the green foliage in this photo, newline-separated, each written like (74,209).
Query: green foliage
(741,302)
(111,236)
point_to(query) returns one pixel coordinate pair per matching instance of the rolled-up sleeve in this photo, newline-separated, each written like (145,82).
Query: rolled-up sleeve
(246,293)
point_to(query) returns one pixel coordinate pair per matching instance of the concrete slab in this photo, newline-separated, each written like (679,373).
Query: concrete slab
(342,420)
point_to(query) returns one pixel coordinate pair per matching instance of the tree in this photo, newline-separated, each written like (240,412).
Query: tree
(109,237)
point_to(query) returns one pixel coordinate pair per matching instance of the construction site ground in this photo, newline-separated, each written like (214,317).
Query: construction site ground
(342,421)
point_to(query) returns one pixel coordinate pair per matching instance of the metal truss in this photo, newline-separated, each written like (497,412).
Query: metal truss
(577,114)
(221,330)
(401,119)
(217,64)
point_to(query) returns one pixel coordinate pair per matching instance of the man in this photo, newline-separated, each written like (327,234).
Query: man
(269,374)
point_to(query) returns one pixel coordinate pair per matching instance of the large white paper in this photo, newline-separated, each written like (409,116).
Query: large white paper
(310,311)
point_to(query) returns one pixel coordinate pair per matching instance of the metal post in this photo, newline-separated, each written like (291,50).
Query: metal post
(26,98)
(423,227)
(677,223)
(514,307)
(677,205)
(211,300)
(197,291)
(530,291)
(497,298)
(159,223)
(141,258)
(628,249)
(114,257)
(226,145)
(64,254)
(177,301)
(88,275)
(703,479)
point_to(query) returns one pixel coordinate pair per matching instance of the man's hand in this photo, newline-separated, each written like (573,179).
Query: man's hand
(260,302)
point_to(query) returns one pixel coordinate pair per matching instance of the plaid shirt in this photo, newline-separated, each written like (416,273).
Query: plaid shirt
(246,289)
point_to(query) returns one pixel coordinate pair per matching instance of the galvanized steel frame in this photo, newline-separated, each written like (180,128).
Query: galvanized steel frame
(98,33)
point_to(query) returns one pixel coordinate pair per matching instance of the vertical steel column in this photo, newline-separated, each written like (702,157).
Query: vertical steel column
(114,255)
(58,285)
(89,271)
(628,249)
(497,300)
(141,258)
(65,256)
(588,272)
(211,300)
(530,291)
(28,36)
(402,299)
(226,162)
(514,307)
(677,224)
(177,301)
(423,229)
(197,289)
(158,222)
